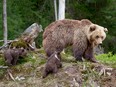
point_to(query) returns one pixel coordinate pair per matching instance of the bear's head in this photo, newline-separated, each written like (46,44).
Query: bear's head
(96,34)
(22,52)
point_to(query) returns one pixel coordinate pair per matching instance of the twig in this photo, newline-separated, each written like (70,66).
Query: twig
(3,67)
(7,40)
(5,45)
(11,76)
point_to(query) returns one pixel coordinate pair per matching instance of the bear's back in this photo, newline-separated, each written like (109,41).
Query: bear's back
(58,25)
(64,25)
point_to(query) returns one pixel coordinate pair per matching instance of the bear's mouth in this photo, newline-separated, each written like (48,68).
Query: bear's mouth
(96,44)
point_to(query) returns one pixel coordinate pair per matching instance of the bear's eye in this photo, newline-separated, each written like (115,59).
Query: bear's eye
(102,37)
(97,37)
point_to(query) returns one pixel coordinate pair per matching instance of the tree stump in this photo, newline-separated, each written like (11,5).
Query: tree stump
(26,40)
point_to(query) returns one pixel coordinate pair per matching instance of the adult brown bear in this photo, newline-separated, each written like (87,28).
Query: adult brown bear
(83,35)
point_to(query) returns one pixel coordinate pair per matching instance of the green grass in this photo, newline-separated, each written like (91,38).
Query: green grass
(2,61)
(108,59)
(1,43)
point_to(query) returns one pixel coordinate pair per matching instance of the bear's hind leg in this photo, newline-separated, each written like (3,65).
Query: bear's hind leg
(52,46)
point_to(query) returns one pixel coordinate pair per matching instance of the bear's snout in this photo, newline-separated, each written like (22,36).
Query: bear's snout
(100,44)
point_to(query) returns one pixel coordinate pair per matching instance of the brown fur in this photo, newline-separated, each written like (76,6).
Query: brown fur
(12,55)
(52,64)
(65,23)
(80,34)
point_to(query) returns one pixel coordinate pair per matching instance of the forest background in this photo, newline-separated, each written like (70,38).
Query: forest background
(22,13)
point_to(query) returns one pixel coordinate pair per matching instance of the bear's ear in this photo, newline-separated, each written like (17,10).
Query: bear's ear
(105,30)
(92,28)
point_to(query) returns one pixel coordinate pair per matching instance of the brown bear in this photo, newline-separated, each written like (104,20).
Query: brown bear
(83,35)
(12,55)
(53,63)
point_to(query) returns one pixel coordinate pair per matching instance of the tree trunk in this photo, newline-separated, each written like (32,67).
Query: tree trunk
(61,14)
(55,9)
(31,33)
(5,21)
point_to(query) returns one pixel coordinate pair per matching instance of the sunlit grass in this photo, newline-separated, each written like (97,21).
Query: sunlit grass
(108,59)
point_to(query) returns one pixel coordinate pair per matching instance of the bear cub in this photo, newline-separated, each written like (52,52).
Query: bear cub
(11,55)
(53,63)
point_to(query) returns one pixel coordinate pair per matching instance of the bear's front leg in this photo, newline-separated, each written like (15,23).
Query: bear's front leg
(79,44)
(9,60)
(78,54)
(15,59)
(89,54)
(55,70)
(45,73)
(78,50)
(59,65)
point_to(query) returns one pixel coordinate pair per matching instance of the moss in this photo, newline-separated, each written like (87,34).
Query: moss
(19,43)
